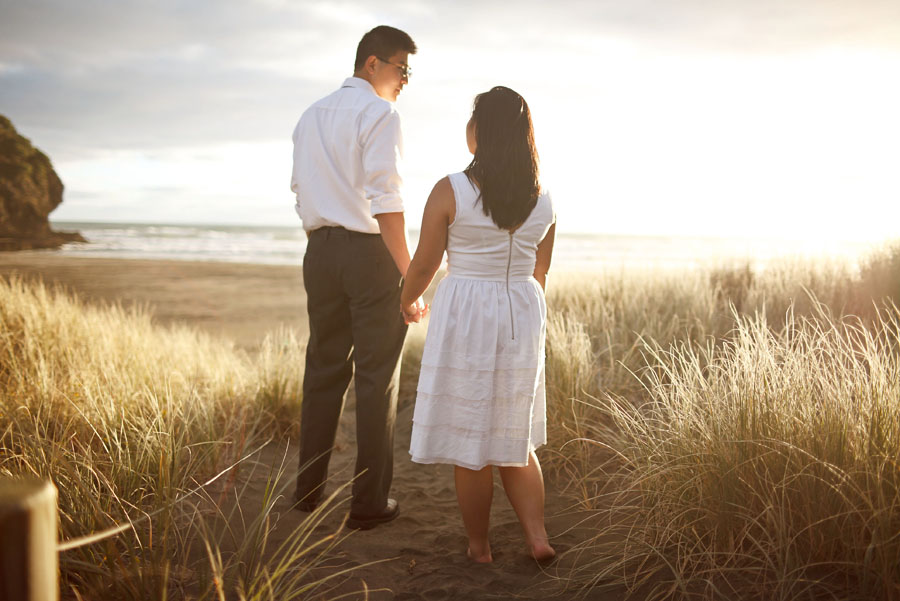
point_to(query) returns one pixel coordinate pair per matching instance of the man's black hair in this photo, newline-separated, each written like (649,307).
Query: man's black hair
(384,42)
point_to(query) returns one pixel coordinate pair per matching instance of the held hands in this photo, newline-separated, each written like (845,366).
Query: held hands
(415,312)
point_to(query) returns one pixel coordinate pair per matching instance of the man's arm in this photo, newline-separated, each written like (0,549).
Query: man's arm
(382,149)
(393,232)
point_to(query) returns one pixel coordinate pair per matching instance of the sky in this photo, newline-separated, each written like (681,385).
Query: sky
(768,118)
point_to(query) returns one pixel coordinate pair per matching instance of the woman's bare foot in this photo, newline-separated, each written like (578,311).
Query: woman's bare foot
(542,552)
(484,556)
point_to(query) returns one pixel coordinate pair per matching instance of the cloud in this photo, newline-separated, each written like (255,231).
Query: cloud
(140,74)
(169,65)
(147,79)
(685,25)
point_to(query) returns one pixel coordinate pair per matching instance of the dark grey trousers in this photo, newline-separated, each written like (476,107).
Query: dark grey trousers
(353,302)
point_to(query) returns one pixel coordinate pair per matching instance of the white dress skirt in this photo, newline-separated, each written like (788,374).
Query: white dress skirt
(480,398)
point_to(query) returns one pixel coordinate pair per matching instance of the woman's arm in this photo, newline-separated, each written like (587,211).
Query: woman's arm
(544,254)
(440,210)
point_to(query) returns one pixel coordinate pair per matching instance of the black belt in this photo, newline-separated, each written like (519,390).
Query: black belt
(325,229)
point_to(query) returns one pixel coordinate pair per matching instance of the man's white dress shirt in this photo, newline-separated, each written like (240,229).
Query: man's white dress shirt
(347,148)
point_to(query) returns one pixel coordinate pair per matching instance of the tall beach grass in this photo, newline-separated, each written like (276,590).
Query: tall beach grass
(736,432)
(129,420)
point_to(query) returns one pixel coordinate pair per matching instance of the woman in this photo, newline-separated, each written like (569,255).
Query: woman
(480,400)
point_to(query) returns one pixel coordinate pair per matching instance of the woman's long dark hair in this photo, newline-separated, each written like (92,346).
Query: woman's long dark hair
(505,165)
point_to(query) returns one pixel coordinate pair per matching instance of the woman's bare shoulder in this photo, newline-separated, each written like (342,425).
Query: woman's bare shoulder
(443,187)
(442,198)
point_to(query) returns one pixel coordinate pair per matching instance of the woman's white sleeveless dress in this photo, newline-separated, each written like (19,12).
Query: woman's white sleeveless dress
(480,399)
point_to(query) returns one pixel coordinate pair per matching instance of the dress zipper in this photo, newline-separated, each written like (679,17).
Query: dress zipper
(512,323)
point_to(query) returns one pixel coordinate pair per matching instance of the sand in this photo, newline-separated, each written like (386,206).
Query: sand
(424,549)
(232,300)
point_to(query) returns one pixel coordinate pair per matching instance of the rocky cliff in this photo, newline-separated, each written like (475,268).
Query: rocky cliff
(29,191)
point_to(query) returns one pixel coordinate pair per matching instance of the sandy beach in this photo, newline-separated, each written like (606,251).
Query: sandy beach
(238,301)
(423,551)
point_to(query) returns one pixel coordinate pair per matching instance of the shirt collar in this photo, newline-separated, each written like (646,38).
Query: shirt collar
(358,82)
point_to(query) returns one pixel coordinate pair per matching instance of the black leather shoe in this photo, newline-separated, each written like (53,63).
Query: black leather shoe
(367,522)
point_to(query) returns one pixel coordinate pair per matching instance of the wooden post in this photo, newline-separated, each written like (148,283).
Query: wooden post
(29,561)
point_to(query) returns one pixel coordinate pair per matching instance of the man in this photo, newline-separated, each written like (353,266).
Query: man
(346,152)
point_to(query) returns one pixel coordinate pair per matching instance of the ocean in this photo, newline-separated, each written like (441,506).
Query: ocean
(270,245)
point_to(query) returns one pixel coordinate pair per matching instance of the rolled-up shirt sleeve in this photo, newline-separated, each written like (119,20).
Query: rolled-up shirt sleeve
(382,148)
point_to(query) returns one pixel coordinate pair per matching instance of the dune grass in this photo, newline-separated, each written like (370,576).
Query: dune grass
(741,428)
(736,433)
(129,419)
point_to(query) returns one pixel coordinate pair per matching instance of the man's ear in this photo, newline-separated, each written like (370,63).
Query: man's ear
(369,65)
